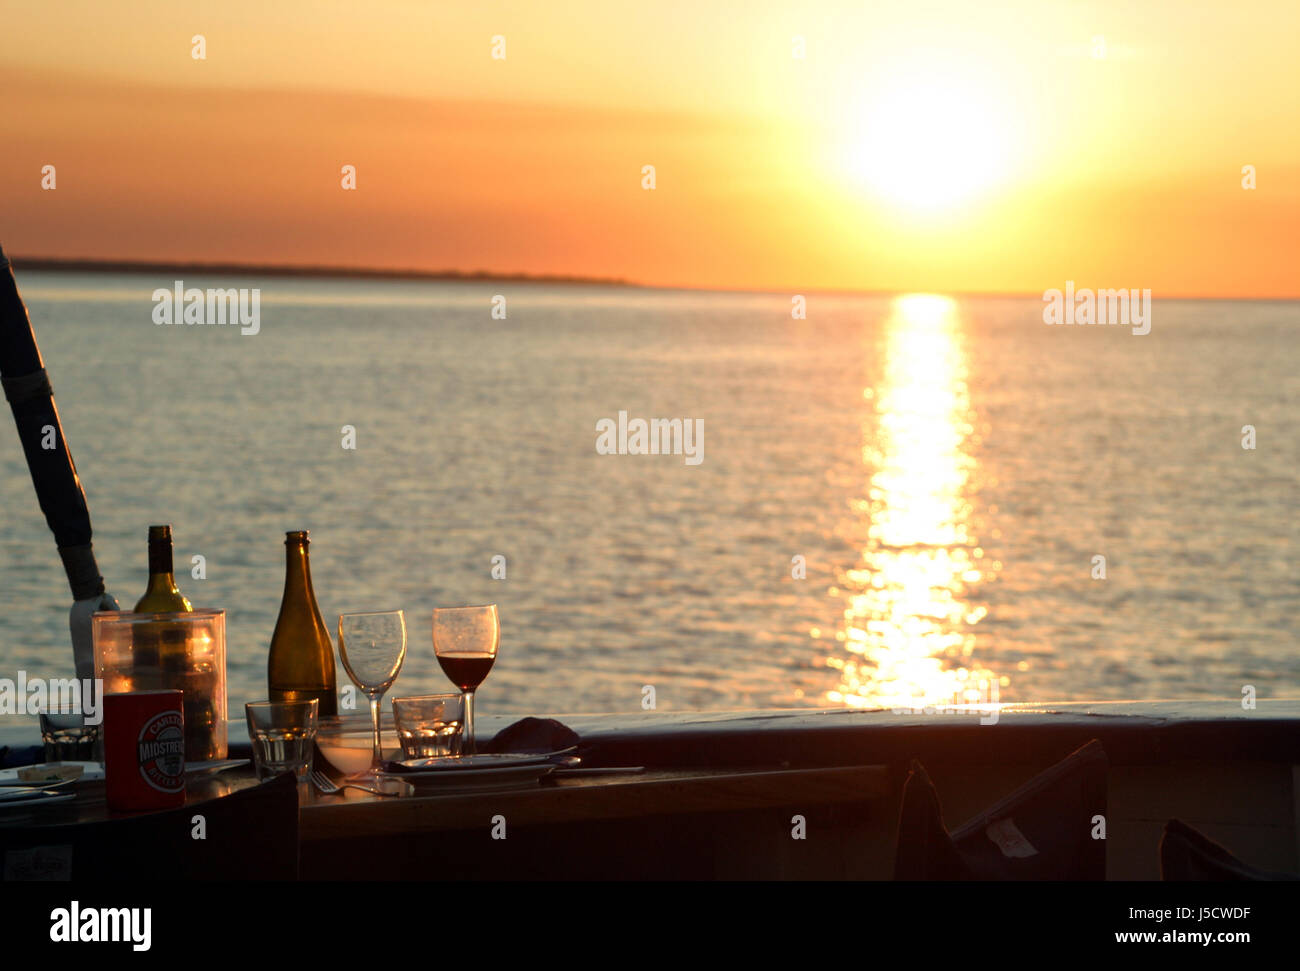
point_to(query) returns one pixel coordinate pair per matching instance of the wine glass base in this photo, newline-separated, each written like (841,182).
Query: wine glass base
(367,777)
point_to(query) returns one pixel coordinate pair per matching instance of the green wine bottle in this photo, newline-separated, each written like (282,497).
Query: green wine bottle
(161,650)
(301,664)
(159,647)
(162,596)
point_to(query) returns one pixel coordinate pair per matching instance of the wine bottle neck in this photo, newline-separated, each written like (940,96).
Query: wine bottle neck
(160,559)
(160,550)
(297,571)
(161,595)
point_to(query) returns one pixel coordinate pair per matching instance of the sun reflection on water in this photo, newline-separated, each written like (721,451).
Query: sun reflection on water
(909,605)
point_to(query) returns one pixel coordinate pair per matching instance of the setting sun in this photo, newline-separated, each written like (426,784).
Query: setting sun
(957,148)
(928,143)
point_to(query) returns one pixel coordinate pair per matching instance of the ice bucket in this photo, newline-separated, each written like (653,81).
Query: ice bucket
(182,651)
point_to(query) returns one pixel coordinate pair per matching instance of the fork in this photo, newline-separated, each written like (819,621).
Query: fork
(322,782)
(41,785)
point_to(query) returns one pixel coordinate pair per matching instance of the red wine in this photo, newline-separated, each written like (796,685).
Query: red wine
(466,670)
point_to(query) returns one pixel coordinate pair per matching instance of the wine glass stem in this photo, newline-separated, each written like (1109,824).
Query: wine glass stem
(378,759)
(468,747)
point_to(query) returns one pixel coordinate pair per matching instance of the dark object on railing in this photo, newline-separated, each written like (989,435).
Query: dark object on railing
(1045,830)
(1187,854)
(533,735)
(58,488)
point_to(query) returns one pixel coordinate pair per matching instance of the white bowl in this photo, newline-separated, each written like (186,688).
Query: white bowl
(349,748)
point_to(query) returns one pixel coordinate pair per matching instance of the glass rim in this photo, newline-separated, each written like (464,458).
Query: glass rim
(62,708)
(370,613)
(126,615)
(434,697)
(46,715)
(280,704)
(464,607)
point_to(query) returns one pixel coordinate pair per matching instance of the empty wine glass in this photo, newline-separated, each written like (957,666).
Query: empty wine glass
(372,647)
(465,640)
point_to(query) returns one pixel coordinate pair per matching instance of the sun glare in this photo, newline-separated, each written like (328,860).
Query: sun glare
(928,144)
(912,601)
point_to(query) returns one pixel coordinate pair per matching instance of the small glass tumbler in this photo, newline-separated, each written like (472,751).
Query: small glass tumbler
(67,737)
(430,726)
(283,734)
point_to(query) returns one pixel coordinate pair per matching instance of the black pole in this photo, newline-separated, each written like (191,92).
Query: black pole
(58,489)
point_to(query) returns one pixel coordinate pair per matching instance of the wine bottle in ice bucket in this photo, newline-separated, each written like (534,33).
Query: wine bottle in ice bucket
(158,646)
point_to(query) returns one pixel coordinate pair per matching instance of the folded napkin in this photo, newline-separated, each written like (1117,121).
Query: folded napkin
(532,735)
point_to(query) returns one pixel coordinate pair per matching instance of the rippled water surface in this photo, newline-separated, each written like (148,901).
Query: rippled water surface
(899,498)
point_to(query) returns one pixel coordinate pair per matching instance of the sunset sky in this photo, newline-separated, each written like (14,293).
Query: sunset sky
(946,146)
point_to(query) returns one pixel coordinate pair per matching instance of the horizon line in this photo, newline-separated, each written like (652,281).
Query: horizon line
(326,271)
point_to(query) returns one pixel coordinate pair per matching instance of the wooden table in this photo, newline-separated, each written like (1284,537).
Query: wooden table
(91,804)
(705,822)
(702,822)
(231,827)
(586,798)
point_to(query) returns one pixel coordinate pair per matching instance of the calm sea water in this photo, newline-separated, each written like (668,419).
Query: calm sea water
(947,471)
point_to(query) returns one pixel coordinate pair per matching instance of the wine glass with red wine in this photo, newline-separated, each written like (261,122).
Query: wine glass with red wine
(465,640)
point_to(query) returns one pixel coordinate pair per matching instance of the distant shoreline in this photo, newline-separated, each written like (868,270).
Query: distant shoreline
(67,265)
(283,270)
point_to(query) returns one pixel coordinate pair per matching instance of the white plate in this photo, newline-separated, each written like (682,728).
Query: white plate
(93,771)
(477,779)
(471,763)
